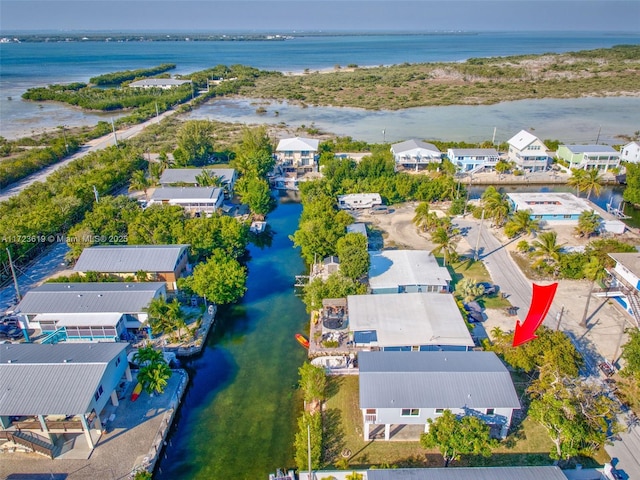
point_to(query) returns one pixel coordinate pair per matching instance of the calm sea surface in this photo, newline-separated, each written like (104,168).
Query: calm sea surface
(27,65)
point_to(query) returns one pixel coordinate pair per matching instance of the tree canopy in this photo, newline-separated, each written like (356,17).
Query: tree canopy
(220,279)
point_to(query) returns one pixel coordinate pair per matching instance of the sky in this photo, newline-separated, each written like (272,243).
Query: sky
(314,15)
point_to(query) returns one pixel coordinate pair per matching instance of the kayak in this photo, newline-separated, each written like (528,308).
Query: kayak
(303,341)
(136,392)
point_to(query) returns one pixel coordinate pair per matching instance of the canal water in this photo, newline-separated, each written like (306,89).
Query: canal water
(238,418)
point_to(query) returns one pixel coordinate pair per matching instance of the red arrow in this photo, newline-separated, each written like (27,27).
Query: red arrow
(540,304)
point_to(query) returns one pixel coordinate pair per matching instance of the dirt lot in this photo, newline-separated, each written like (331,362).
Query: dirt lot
(606,319)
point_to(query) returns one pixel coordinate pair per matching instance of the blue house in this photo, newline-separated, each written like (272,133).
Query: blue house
(550,206)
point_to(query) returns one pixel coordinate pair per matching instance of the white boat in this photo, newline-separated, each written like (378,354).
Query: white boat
(258,227)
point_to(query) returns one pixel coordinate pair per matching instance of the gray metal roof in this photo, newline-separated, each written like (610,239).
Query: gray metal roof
(413,144)
(130,258)
(36,380)
(475,380)
(104,297)
(357,228)
(591,149)
(188,175)
(469,473)
(629,260)
(401,319)
(186,193)
(391,268)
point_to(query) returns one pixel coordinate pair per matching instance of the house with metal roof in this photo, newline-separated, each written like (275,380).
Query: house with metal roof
(630,152)
(625,283)
(161,262)
(189,176)
(407,321)
(528,152)
(405,271)
(88,311)
(408,388)
(469,473)
(414,154)
(550,206)
(357,201)
(194,200)
(589,157)
(472,160)
(53,392)
(297,154)
(163,83)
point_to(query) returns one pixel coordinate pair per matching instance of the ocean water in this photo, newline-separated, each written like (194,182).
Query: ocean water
(26,65)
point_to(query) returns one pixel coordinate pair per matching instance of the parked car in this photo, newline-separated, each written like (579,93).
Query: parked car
(489,289)
(379,209)
(10,331)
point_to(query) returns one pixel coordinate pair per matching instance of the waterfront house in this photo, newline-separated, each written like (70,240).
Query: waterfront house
(189,177)
(407,322)
(408,388)
(404,271)
(325,268)
(414,154)
(625,283)
(547,472)
(160,262)
(297,154)
(56,393)
(355,201)
(589,157)
(163,83)
(630,152)
(472,160)
(360,228)
(194,200)
(89,311)
(528,152)
(550,206)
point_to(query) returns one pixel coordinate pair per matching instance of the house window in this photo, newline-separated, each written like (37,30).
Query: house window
(98,393)
(410,412)
(491,411)
(117,361)
(439,411)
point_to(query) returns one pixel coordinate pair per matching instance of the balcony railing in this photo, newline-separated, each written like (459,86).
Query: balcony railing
(370,418)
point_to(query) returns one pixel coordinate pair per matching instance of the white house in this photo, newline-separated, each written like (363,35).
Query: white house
(405,271)
(189,176)
(473,159)
(414,153)
(407,322)
(625,283)
(297,154)
(408,388)
(194,200)
(355,201)
(528,152)
(549,472)
(89,311)
(589,157)
(69,385)
(163,83)
(630,152)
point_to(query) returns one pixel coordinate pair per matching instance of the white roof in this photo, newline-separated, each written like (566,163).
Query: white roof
(549,203)
(391,268)
(297,144)
(522,139)
(592,149)
(81,319)
(401,319)
(414,145)
(473,152)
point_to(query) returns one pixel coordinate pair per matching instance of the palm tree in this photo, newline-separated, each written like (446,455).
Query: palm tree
(495,205)
(147,355)
(446,242)
(208,179)
(592,182)
(521,221)
(546,249)
(139,181)
(165,317)
(469,290)
(588,223)
(421,216)
(154,377)
(577,180)
(594,271)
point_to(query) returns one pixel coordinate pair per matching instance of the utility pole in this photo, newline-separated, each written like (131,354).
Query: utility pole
(598,137)
(559,317)
(157,114)
(476,256)
(95,193)
(493,140)
(113,128)
(15,278)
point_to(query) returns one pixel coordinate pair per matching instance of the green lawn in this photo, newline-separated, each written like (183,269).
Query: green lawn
(467,267)
(528,445)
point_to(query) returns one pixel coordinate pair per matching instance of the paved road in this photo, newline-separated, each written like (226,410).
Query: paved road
(625,453)
(92,146)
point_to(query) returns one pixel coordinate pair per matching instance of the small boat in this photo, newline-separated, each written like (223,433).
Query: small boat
(136,392)
(302,340)
(258,227)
